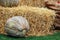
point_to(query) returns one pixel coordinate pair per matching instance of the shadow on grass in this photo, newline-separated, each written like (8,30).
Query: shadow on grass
(56,36)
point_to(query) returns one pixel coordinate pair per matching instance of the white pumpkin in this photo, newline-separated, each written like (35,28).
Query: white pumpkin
(17,26)
(9,3)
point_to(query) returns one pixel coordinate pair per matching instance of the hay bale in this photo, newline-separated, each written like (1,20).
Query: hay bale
(34,3)
(40,19)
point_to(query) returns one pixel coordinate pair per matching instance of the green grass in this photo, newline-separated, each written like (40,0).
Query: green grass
(56,36)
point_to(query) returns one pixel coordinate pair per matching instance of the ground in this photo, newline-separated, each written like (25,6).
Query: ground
(55,36)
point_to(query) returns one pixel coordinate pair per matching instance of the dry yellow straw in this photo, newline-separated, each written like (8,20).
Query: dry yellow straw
(40,19)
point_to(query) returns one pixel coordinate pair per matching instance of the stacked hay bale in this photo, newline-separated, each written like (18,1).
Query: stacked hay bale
(14,3)
(34,3)
(55,5)
(40,19)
